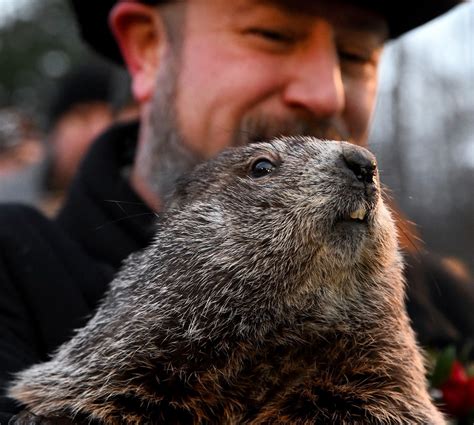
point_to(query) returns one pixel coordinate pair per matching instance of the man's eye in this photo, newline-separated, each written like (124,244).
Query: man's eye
(272,35)
(354,57)
(358,65)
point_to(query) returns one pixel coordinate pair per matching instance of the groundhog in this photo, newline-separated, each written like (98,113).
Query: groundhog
(271,294)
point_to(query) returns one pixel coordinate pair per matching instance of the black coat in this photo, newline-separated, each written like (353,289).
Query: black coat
(53,273)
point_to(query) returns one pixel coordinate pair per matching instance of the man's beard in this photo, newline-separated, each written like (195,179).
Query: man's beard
(169,156)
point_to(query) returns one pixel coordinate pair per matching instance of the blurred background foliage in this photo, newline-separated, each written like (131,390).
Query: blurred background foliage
(423,130)
(39,44)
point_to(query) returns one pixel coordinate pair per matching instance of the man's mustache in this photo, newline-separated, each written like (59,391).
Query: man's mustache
(258,129)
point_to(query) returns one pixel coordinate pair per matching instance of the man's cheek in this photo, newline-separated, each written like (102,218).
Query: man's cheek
(360,102)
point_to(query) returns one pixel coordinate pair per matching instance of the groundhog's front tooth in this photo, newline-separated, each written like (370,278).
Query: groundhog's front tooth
(358,214)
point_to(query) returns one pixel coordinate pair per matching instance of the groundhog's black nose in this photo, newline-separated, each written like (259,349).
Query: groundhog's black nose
(361,162)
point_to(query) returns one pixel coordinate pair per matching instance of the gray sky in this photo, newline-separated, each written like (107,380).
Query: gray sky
(14,9)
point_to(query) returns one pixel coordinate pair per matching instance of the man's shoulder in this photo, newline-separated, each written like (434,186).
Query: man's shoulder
(16,214)
(23,230)
(48,288)
(25,233)
(33,246)
(45,276)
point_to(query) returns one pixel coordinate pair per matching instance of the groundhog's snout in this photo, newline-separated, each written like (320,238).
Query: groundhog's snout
(360,162)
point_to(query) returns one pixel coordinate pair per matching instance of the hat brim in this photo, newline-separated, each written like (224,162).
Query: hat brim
(402,16)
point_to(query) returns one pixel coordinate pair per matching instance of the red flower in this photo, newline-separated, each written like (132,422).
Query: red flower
(470,392)
(458,392)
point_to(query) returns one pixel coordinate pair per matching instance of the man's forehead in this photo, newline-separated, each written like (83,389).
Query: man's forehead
(340,12)
(92,17)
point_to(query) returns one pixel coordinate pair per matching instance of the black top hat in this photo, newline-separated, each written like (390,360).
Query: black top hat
(401,15)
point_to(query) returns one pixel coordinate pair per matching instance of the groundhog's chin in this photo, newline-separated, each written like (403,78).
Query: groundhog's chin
(347,241)
(349,236)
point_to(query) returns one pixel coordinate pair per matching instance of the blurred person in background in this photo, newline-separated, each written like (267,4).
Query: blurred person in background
(21,158)
(88,100)
(80,110)
(37,168)
(205,75)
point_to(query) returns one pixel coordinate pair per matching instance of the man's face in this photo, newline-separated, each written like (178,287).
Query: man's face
(252,69)
(254,66)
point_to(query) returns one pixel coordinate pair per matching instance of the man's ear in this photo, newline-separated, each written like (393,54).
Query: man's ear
(141,36)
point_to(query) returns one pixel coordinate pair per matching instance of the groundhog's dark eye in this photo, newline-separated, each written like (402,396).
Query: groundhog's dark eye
(262,167)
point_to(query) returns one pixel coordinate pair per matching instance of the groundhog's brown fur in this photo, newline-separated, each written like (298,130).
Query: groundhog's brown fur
(260,301)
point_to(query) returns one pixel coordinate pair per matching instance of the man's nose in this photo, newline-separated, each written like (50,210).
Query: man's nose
(315,80)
